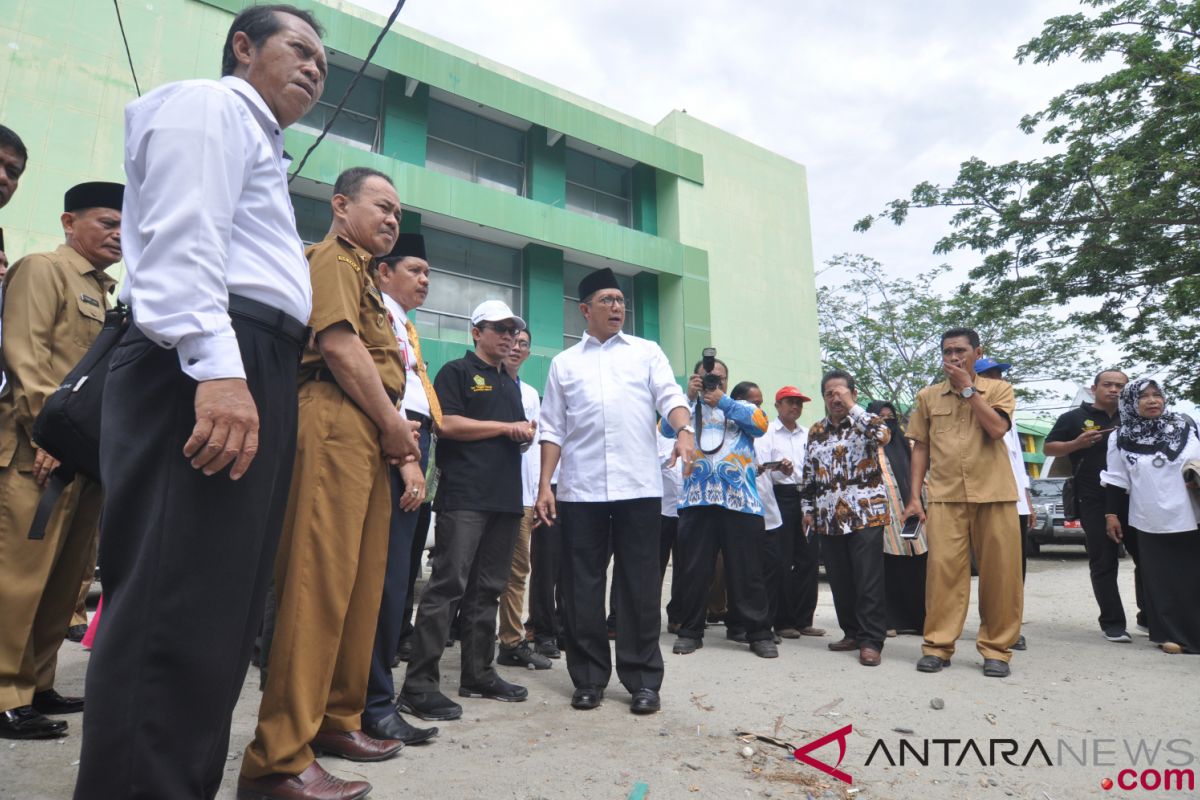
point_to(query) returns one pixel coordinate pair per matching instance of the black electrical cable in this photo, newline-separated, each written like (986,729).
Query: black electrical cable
(353,82)
(128,55)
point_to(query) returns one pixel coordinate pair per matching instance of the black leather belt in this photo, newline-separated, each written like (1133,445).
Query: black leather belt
(417,416)
(325,375)
(270,318)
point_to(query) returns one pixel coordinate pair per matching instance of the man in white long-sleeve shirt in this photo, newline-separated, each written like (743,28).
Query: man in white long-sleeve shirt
(199,411)
(598,417)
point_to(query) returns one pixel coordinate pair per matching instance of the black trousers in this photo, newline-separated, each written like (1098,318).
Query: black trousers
(703,530)
(420,534)
(545,582)
(797,601)
(474,558)
(1172,561)
(589,530)
(904,590)
(854,566)
(187,560)
(381,689)
(667,531)
(1104,561)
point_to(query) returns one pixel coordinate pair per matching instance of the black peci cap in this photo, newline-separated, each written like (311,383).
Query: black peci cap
(96,194)
(408,245)
(600,279)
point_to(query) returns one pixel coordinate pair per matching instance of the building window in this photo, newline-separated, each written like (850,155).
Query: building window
(475,149)
(358,123)
(313,218)
(573,322)
(464,273)
(599,188)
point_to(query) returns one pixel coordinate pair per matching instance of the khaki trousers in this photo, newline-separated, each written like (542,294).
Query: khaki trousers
(39,578)
(512,602)
(328,583)
(993,532)
(79,615)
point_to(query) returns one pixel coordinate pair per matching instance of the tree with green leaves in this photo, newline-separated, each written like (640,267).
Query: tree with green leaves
(886,332)
(1109,224)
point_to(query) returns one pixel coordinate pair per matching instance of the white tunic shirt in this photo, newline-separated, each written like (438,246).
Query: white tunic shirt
(1159,502)
(1012,440)
(207,214)
(599,408)
(531,459)
(779,443)
(672,477)
(772,518)
(415,398)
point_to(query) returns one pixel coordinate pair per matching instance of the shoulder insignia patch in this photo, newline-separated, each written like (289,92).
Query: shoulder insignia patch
(351,262)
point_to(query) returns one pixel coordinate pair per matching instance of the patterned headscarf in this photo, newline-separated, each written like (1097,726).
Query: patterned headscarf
(1166,434)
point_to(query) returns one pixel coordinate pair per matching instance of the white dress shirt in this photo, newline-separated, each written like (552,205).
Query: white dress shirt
(206,215)
(1159,501)
(772,518)
(531,459)
(1012,440)
(415,399)
(672,477)
(599,408)
(779,443)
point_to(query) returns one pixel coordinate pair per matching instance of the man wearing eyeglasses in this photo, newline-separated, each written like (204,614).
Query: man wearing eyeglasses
(598,418)
(479,511)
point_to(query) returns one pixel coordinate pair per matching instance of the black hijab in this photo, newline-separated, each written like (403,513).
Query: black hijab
(1166,434)
(897,450)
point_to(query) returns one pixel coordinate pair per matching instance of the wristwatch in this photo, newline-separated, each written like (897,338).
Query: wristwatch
(966,393)
(687,429)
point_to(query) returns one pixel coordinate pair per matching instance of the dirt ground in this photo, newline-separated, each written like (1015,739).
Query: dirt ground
(1071,688)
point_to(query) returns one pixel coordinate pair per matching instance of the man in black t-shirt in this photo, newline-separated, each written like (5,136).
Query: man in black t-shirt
(479,510)
(1082,434)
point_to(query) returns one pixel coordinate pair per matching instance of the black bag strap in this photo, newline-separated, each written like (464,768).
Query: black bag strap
(45,507)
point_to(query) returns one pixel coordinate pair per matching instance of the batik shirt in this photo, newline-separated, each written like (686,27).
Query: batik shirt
(724,478)
(842,484)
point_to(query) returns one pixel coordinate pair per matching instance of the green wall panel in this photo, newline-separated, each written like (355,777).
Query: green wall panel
(547,171)
(542,296)
(645,192)
(645,301)
(405,121)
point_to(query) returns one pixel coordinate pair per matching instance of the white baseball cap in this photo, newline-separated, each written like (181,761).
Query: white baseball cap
(495,311)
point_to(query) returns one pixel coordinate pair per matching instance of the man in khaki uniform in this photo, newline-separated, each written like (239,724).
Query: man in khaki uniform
(332,558)
(55,304)
(957,427)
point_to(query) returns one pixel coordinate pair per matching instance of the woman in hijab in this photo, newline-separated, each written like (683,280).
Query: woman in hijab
(1146,458)
(903,559)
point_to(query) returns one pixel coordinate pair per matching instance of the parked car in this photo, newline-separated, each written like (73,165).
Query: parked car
(1053,527)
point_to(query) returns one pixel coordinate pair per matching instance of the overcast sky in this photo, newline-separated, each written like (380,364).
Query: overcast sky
(871,97)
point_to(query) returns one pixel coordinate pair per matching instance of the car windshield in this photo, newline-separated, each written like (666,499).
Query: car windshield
(1045,488)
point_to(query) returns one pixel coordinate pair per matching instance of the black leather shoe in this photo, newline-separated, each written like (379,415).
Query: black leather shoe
(685,645)
(498,689)
(394,726)
(645,701)
(995,668)
(765,648)
(26,723)
(51,702)
(932,664)
(548,648)
(1020,645)
(428,705)
(587,697)
(75,633)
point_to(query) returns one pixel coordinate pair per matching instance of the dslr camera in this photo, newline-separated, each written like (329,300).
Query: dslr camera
(709,380)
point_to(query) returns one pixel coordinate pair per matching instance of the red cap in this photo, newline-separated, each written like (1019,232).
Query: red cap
(792,391)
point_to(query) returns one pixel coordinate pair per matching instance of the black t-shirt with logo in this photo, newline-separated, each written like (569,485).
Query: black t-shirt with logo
(483,475)
(1086,464)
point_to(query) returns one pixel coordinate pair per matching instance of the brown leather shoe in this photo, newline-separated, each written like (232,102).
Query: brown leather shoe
(811,631)
(869,657)
(312,784)
(354,746)
(844,646)
(788,633)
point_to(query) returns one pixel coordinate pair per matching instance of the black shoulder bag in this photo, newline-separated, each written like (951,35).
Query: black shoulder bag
(68,426)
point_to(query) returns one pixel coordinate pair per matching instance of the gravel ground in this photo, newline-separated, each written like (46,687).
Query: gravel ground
(1070,688)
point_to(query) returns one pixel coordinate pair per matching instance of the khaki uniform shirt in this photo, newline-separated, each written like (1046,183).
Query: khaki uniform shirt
(53,310)
(344,292)
(965,464)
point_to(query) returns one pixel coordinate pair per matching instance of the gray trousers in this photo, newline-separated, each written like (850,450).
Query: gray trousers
(471,560)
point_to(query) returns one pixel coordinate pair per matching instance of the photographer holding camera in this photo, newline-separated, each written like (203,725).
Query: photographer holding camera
(719,507)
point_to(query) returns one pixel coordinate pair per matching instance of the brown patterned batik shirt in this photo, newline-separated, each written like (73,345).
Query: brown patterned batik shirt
(842,485)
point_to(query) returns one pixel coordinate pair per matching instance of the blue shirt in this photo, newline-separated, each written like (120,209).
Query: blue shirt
(724,478)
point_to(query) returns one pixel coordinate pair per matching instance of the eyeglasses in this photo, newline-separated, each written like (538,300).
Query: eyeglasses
(503,330)
(521,344)
(611,300)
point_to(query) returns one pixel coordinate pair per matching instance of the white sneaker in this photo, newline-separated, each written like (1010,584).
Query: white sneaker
(1121,637)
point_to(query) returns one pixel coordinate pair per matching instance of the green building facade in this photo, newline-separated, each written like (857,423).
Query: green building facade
(520,187)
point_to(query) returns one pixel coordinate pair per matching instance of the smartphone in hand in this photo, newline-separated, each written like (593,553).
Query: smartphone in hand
(912,526)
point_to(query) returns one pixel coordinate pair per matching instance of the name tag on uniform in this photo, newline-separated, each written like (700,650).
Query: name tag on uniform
(91,301)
